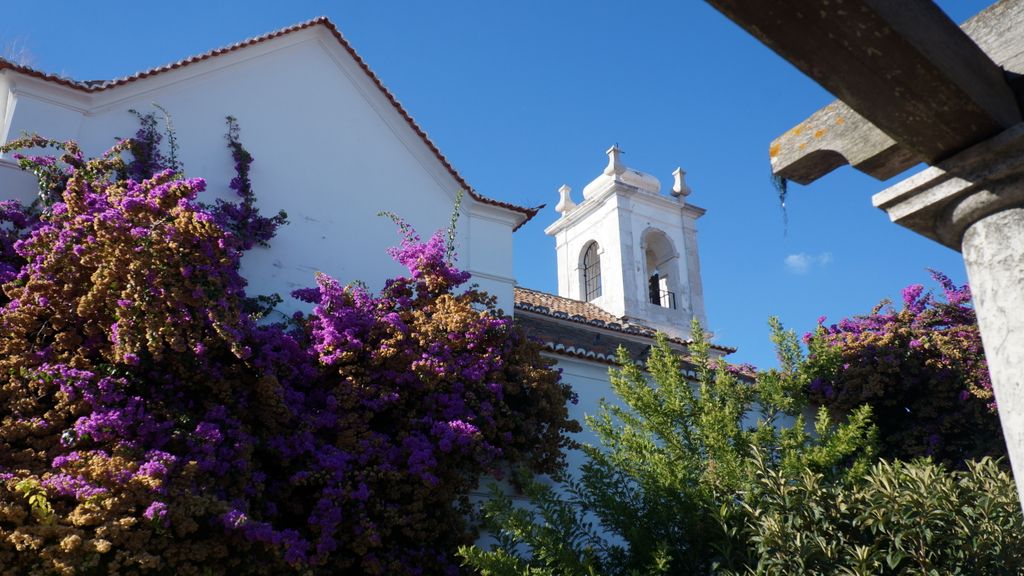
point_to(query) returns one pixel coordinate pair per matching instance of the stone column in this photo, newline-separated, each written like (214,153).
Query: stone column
(993,250)
(974,203)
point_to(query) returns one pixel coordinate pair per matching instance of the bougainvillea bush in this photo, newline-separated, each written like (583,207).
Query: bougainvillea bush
(149,424)
(921,369)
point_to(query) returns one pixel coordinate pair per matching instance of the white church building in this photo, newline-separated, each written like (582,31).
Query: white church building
(334,147)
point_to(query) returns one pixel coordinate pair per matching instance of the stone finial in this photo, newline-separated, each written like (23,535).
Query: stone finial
(565,203)
(615,166)
(679,187)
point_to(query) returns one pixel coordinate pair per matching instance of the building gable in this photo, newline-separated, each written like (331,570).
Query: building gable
(333,147)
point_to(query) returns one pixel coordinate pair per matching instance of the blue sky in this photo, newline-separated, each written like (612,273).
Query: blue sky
(524,96)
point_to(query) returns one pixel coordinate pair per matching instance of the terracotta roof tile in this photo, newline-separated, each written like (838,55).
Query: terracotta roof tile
(101,85)
(584,313)
(569,309)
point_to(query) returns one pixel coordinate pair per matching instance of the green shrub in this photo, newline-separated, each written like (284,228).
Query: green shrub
(899,518)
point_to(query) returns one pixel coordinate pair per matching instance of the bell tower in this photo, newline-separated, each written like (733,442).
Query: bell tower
(631,250)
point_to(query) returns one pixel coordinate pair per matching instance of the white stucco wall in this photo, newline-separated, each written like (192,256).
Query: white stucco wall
(589,380)
(329,149)
(15,183)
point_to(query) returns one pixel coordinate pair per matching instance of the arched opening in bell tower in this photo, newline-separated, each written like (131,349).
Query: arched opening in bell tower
(661,269)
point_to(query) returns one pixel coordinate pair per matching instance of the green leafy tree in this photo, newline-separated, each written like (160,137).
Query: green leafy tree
(662,494)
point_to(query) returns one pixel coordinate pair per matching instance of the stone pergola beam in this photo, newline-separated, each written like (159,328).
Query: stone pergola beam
(914,86)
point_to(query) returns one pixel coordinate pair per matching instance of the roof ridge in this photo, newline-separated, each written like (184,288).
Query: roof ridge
(101,85)
(92,86)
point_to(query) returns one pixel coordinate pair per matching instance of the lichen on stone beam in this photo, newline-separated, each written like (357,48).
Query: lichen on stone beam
(832,137)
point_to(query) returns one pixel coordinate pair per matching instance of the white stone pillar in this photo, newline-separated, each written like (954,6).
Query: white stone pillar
(974,203)
(993,250)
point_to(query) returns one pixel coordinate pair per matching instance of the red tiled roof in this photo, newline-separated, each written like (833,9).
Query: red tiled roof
(574,310)
(585,313)
(101,85)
